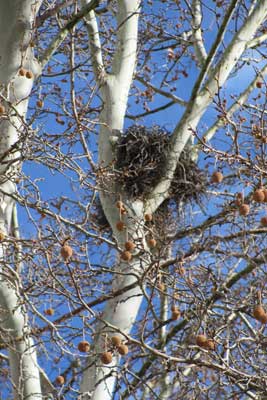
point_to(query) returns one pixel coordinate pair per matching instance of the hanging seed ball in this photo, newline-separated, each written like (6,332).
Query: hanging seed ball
(175,315)
(29,74)
(259,84)
(210,344)
(152,243)
(174,308)
(264,221)
(130,246)
(216,177)
(84,346)
(39,103)
(2,109)
(119,204)
(201,340)
(265,195)
(123,349)
(148,217)
(106,357)
(66,252)
(60,380)
(244,210)
(259,314)
(116,341)
(22,72)
(259,196)
(126,256)
(49,311)
(120,226)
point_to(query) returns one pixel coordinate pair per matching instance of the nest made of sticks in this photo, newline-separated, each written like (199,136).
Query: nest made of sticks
(141,156)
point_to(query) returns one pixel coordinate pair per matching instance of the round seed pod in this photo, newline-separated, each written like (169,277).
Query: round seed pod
(126,256)
(22,72)
(119,204)
(49,311)
(259,196)
(66,252)
(265,195)
(29,74)
(2,109)
(152,243)
(216,177)
(106,357)
(259,314)
(244,210)
(116,341)
(39,103)
(120,225)
(258,84)
(175,315)
(201,340)
(60,380)
(264,221)
(210,344)
(123,349)
(130,246)
(174,308)
(84,346)
(148,217)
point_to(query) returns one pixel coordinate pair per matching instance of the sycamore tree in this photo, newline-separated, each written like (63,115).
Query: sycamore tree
(132,199)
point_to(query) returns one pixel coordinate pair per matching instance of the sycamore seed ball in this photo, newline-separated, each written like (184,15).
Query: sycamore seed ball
(210,344)
(259,196)
(49,311)
(22,72)
(116,341)
(29,74)
(123,349)
(201,340)
(60,380)
(126,256)
(244,210)
(2,109)
(130,246)
(39,103)
(148,217)
(120,226)
(66,252)
(152,243)
(106,357)
(84,346)
(216,177)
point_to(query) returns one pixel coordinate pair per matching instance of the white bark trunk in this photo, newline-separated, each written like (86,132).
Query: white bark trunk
(16,21)
(120,312)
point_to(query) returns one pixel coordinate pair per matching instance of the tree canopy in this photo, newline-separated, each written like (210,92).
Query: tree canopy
(133,196)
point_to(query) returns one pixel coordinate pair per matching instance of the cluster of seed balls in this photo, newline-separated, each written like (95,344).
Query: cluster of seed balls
(129,245)
(115,346)
(259,196)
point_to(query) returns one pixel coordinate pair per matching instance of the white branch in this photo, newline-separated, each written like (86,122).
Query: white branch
(197,33)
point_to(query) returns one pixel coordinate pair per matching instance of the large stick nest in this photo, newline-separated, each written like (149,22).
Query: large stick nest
(141,157)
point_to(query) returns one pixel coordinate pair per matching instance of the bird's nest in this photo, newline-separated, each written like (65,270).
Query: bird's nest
(141,157)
